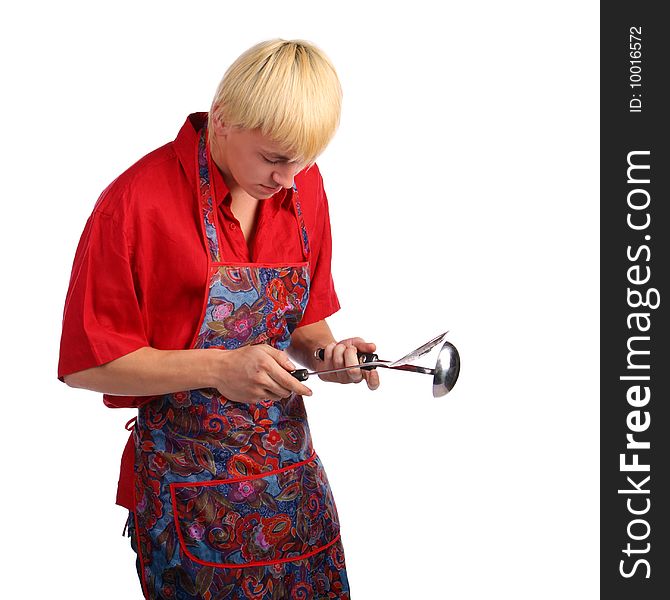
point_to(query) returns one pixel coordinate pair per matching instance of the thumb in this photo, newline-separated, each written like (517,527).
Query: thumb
(362,345)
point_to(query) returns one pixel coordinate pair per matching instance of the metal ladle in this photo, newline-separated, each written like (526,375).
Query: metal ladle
(446,371)
(447,368)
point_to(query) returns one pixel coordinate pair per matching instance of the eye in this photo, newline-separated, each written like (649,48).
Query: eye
(271,162)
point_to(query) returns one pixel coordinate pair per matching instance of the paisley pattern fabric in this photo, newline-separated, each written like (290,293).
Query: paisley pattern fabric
(261,304)
(231,501)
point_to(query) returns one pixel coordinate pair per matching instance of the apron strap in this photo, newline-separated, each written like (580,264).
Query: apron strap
(304,238)
(206,200)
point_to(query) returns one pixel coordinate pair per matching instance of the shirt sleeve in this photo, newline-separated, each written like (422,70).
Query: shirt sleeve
(323,300)
(102,319)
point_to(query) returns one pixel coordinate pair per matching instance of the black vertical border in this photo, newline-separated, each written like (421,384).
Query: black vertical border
(622,132)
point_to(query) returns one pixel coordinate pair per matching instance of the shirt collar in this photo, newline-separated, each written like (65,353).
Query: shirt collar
(185,145)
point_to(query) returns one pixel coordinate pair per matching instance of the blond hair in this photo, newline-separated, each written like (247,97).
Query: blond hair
(287,89)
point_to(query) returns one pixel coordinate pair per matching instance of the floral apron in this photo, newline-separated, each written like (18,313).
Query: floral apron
(231,500)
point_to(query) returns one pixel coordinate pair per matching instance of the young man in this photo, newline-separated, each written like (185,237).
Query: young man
(201,270)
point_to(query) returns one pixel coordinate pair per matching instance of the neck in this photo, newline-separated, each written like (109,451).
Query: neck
(218,153)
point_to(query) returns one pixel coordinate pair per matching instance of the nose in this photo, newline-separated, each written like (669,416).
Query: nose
(284,175)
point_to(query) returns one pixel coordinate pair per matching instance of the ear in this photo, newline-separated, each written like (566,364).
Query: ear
(220,128)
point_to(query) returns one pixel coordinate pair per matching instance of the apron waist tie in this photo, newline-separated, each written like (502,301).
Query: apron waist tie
(125,527)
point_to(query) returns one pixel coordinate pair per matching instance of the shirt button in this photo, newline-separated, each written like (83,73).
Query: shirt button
(232,226)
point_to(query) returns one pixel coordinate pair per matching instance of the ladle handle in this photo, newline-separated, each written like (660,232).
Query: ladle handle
(363,357)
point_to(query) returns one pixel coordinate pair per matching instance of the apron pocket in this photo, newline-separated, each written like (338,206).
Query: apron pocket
(277,516)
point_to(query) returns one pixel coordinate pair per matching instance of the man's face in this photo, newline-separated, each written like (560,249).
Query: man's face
(252,161)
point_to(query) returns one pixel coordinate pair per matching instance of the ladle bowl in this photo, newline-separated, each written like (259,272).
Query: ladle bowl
(446,370)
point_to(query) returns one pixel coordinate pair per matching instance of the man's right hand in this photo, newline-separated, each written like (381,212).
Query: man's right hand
(255,373)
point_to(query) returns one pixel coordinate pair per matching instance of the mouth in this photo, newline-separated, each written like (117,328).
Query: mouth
(272,190)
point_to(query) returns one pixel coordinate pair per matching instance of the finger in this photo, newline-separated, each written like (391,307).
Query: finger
(270,395)
(279,356)
(328,363)
(337,356)
(360,344)
(372,379)
(328,353)
(338,361)
(351,360)
(276,379)
(273,389)
(284,380)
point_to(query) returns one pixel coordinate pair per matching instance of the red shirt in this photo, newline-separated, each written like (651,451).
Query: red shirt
(140,277)
(140,272)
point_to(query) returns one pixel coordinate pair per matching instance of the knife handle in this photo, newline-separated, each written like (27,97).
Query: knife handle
(363,357)
(300,374)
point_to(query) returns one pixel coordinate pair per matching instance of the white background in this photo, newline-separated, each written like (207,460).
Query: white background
(463,186)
